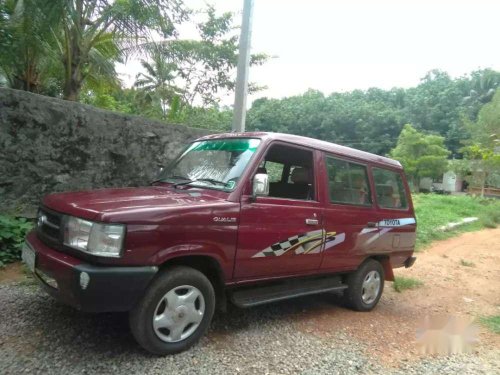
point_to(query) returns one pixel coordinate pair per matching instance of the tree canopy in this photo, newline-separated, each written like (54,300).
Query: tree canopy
(421,155)
(372,120)
(482,151)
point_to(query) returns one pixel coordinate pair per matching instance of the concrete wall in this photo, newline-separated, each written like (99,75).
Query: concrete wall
(49,145)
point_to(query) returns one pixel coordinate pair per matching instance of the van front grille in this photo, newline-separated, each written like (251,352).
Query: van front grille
(49,226)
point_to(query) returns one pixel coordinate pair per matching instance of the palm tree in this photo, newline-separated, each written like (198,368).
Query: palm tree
(92,34)
(35,50)
(28,60)
(156,83)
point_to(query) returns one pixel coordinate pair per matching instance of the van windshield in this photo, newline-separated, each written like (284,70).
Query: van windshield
(215,164)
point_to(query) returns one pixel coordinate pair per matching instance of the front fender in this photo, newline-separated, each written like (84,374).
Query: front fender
(222,256)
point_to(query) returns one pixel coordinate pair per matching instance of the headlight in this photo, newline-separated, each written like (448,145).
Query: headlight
(94,238)
(106,240)
(77,233)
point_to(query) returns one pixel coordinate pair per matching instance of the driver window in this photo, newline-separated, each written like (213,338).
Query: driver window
(290,171)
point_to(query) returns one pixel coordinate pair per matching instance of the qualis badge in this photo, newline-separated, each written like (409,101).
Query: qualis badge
(224,219)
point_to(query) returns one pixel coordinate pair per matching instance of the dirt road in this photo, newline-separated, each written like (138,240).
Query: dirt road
(450,288)
(307,335)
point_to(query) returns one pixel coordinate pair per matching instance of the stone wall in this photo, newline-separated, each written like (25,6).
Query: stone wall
(49,145)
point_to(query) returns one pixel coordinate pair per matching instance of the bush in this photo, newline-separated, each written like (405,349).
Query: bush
(490,218)
(12,234)
(466,263)
(492,322)
(403,283)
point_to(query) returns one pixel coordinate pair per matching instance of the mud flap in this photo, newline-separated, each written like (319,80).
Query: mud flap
(389,274)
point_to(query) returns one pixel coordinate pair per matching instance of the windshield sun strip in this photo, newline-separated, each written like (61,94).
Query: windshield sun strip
(253,145)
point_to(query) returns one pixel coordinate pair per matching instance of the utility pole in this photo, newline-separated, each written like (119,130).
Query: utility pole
(240,98)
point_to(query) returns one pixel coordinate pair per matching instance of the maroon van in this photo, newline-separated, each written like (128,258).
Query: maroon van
(246,218)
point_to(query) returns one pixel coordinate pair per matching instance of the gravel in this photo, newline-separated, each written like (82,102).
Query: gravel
(39,335)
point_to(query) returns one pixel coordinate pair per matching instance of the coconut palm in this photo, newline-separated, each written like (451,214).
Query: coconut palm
(28,59)
(155,85)
(93,34)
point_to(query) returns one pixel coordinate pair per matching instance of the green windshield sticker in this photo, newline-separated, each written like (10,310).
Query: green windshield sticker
(236,145)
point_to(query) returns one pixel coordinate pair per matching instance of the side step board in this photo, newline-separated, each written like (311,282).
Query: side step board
(259,295)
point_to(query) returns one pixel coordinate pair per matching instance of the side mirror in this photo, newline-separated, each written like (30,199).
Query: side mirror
(260,185)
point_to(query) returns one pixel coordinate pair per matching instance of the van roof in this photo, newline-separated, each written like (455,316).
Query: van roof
(310,142)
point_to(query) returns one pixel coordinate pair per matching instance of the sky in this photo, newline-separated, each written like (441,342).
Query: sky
(343,45)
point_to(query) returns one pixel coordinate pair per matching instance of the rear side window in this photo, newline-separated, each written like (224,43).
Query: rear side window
(347,182)
(389,189)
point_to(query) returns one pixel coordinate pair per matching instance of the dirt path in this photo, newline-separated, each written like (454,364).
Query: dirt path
(12,272)
(450,288)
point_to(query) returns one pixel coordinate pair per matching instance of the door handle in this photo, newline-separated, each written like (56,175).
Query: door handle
(312,221)
(371,224)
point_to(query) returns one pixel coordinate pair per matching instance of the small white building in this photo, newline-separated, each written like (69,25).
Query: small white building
(450,182)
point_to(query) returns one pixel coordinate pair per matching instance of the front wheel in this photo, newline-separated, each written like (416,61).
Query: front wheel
(365,286)
(175,311)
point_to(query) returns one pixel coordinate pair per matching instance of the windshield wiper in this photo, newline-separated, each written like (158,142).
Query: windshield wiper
(210,180)
(175,177)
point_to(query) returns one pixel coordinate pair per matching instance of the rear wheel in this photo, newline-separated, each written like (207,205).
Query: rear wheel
(365,286)
(175,311)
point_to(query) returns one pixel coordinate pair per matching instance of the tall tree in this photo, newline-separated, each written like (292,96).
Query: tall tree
(479,90)
(179,74)
(204,67)
(27,59)
(482,150)
(486,130)
(156,84)
(81,25)
(434,105)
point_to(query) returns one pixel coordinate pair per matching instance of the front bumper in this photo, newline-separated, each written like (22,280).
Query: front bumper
(107,288)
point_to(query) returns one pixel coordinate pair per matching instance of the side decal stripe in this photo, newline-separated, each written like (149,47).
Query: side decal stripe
(335,241)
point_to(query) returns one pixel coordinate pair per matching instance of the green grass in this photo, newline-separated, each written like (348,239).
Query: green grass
(403,283)
(492,322)
(434,211)
(466,263)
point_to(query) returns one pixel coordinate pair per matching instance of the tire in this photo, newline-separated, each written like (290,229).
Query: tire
(359,287)
(177,298)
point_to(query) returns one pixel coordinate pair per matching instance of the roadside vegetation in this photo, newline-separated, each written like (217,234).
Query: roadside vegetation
(467,263)
(491,322)
(434,211)
(404,283)
(12,234)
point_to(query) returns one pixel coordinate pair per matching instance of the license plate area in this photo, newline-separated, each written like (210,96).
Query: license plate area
(29,257)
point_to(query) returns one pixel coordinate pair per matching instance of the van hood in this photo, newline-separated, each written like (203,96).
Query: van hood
(123,203)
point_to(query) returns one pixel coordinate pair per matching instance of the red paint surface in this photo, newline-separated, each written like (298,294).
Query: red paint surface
(56,265)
